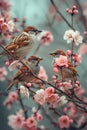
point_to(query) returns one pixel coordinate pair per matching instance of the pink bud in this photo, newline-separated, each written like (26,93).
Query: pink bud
(71,121)
(70,81)
(68,52)
(77,82)
(55,81)
(12,51)
(29,84)
(65,109)
(76,64)
(73,58)
(1,21)
(76,85)
(60,84)
(53,77)
(7,63)
(74,7)
(4,27)
(85,33)
(75,11)
(70,11)
(55,70)
(67,9)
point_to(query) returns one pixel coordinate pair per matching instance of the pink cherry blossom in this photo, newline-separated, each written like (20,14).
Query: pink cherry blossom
(64,121)
(42,74)
(11,25)
(4,5)
(4,27)
(73,36)
(49,91)
(67,85)
(61,61)
(77,38)
(85,33)
(45,38)
(71,110)
(52,100)
(83,49)
(3,73)
(16,121)
(79,91)
(12,97)
(39,97)
(68,52)
(39,117)
(68,36)
(30,124)
(56,69)
(78,58)
(1,21)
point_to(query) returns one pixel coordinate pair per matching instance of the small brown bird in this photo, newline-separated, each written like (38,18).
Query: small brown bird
(24,75)
(57,53)
(65,72)
(23,43)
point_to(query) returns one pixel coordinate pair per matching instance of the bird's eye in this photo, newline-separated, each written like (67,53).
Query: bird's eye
(31,32)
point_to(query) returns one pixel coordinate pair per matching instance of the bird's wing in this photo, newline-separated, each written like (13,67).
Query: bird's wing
(22,40)
(11,46)
(72,68)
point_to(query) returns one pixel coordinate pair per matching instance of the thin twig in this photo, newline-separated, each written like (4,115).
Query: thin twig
(81,12)
(52,2)
(21,103)
(46,82)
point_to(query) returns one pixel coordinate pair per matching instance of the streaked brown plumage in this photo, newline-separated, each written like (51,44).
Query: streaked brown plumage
(57,53)
(65,72)
(23,43)
(68,73)
(24,75)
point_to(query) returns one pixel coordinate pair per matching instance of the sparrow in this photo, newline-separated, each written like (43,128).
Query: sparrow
(57,53)
(23,43)
(24,74)
(65,72)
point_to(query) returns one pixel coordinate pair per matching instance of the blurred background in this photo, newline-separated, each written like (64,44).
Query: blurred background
(40,13)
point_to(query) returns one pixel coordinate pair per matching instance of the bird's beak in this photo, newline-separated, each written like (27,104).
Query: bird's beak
(39,59)
(37,31)
(52,54)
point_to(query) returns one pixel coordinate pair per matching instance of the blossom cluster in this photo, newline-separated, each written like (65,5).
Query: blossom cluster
(63,96)
(71,35)
(17,121)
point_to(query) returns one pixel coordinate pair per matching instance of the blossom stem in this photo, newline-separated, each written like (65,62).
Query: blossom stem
(45,82)
(61,15)
(21,104)
(72,45)
(81,13)
(48,115)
